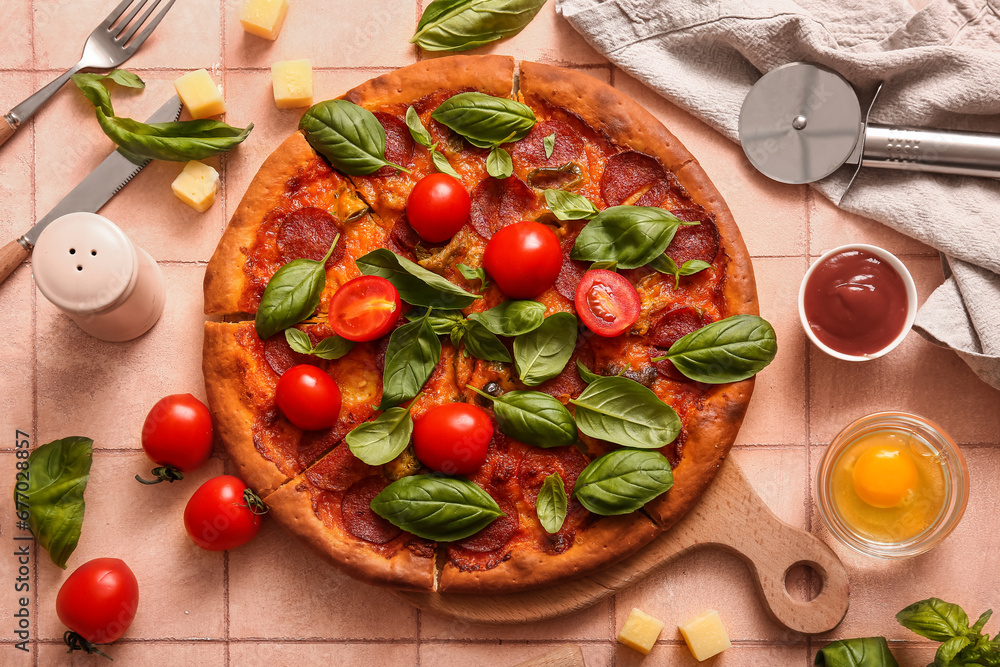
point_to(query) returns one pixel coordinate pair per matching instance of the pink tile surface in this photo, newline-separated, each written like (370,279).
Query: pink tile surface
(16,370)
(16,163)
(674,655)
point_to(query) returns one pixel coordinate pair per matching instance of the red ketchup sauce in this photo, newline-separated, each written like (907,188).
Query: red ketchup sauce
(855,302)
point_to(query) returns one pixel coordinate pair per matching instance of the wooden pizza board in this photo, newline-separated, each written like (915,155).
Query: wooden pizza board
(729,516)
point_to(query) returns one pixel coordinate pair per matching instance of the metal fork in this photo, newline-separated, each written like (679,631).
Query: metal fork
(112,43)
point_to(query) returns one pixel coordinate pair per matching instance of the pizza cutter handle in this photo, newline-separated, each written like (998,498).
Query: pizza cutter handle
(939,151)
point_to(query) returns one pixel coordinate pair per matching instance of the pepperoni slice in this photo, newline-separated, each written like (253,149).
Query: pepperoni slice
(315,443)
(538,464)
(568,382)
(308,233)
(656,194)
(530,151)
(626,173)
(572,270)
(337,470)
(359,519)
(695,241)
(280,356)
(498,203)
(398,143)
(497,534)
(670,328)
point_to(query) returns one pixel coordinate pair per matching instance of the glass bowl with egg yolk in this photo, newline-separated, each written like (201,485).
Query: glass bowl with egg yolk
(892,485)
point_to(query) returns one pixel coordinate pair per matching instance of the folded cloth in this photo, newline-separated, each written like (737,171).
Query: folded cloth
(940,67)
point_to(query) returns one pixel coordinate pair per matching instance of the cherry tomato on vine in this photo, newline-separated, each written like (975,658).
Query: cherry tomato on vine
(177,436)
(365,308)
(437,207)
(453,438)
(97,602)
(309,397)
(523,259)
(223,514)
(606,302)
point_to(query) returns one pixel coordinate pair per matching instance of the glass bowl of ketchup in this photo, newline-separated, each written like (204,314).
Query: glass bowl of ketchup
(857,302)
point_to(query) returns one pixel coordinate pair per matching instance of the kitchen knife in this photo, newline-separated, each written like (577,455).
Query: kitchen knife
(90,195)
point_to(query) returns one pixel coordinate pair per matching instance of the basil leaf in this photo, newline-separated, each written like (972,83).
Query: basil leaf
(549,144)
(981,621)
(417,129)
(533,418)
(729,350)
(57,476)
(443,509)
(292,294)
(569,205)
(479,274)
(866,652)
(485,121)
(499,164)
(331,348)
(349,136)
(441,164)
(413,352)
(458,25)
(95,89)
(382,439)
(935,619)
(541,354)
(624,412)
(622,481)
(586,374)
(416,285)
(606,266)
(633,236)
(947,651)
(666,264)
(299,341)
(442,321)
(551,504)
(512,318)
(180,141)
(484,345)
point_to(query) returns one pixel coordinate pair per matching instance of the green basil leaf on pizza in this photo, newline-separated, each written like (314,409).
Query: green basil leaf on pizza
(542,354)
(442,322)
(441,164)
(292,294)
(552,503)
(533,418)
(416,285)
(413,352)
(485,121)
(443,509)
(382,439)
(512,318)
(666,264)
(347,135)
(417,129)
(499,164)
(623,481)
(569,205)
(632,236)
(333,347)
(483,344)
(626,413)
(470,273)
(549,144)
(730,350)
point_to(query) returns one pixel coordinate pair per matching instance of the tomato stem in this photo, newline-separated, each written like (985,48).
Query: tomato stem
(254,503)
(163,474)
(76,642)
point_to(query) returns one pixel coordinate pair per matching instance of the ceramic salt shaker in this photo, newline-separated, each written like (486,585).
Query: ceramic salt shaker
(88,268)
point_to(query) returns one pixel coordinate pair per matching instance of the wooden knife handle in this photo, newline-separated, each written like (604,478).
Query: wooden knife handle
(11,256)
(6,131)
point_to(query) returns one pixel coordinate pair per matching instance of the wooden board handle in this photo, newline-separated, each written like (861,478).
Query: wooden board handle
(6,129)
(11,256)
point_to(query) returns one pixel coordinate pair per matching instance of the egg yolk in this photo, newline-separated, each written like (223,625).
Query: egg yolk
(884,475)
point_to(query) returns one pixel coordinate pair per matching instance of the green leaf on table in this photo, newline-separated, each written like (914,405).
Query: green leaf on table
(95,89)
(569,205)
(416,285)
(934,618)
(626,413)
(457,25)
(512,318)
(552,503)
(542,354)
(347,135)
(864,652)
(179,141)
(730,350)
(443,509)
(292,294)
(623,481)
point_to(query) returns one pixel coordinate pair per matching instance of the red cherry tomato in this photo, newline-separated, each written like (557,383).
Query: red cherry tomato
(437,207)
(99,600)
(177,434)
(606,302)
(453,438)
(365,308)
(524,259)
(309,397)
(220,516)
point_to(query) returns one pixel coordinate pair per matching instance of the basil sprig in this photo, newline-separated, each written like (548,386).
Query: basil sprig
(865,652)
(633,236)
(443,322)
(416,285)
(423,137)
(541,354)
(552,503)
(457,25)
(512,318)
(549,144)
(626,413)
(347,135)
(936,619)
(413,352)
(470,273)
(56,477)
(94,87)
(499,164)
(333,347)
(665,264)
(382,439)
(622,481)
(292,294)
(730,350)
(443,509)
(480,342)
(485,121)
(533,418)
(569,205)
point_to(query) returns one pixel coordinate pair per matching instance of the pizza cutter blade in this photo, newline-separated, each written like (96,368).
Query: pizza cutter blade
(801,122)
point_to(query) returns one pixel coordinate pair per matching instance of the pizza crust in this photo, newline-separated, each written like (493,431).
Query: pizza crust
(493,75)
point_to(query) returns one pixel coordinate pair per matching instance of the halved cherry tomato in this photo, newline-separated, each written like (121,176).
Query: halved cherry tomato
(606,302)
(99,600)
(309,397)
(221,515)
(523,259)
(177,436)
(365,308)
(437,207)
(453,438)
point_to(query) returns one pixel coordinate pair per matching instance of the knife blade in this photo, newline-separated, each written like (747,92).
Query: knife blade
(102,183)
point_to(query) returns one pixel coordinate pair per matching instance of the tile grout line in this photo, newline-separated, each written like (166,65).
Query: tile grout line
(812,585)
(223,167)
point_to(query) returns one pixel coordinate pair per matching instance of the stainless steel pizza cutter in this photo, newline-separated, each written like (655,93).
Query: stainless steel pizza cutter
(801,122)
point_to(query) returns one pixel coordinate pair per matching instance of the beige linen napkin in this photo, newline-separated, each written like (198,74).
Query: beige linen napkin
(941,68)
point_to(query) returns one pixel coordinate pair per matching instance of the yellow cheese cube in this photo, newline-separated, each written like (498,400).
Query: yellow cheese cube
(705,635)
(292,81)
(196,185)
(263,17)
(199,94)
(640,631)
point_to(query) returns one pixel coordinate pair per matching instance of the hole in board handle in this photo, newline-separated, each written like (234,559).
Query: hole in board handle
(804,581)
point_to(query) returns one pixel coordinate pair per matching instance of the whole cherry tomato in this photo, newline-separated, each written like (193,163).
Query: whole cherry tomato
(309,397)
(365,308)
(606,302)
(453,438)
(524,259)
(437,207)
(177,436)
(223,514)
(98,601)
